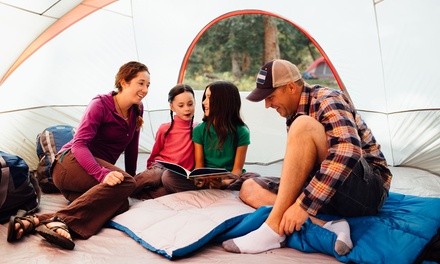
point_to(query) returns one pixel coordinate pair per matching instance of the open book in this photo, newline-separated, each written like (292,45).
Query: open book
(200,172)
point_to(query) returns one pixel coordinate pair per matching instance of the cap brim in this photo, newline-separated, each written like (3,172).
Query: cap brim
(259,94)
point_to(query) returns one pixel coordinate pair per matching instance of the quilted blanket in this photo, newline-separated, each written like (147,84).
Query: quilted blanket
(179,224)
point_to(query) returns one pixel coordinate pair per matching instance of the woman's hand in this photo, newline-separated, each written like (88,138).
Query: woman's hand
(113,178)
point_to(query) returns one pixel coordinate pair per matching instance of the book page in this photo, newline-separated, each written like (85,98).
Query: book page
(174,167)
(203,172)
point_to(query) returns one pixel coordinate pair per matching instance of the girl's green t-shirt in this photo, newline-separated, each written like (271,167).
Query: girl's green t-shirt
(219,158)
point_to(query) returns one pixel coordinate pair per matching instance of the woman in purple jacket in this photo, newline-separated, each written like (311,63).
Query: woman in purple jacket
(84,169)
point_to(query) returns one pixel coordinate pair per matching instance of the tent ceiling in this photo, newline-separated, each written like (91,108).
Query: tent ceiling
(68,14)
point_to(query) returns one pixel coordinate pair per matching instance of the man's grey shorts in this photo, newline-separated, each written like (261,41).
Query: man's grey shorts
(362,193)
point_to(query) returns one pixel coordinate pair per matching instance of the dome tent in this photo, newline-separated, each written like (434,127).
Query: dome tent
(57,54)
(65,52)
(318,69)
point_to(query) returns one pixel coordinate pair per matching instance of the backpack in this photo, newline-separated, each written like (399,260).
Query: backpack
(48,143)
(18,187)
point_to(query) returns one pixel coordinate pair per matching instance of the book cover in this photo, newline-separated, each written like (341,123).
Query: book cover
(199,172)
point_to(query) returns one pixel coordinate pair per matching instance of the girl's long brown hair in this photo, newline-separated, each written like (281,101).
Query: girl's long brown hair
(224,110)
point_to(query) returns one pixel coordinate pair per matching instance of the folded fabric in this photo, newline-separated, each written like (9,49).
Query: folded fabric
(178,224)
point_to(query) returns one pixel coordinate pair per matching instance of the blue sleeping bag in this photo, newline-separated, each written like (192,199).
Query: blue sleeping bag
(398,234)
(190,220)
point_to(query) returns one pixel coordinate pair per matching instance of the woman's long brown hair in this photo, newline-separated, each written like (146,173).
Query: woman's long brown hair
(128,72)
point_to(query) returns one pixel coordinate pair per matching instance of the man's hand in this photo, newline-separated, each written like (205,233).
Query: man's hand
(293,218)
(113,178)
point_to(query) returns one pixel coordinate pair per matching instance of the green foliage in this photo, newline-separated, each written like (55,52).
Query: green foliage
(295,46)
(242,38)
(241,34)
(199,82)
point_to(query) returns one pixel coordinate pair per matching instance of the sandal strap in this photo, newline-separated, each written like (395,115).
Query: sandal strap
(63,225)
(55,228)
(30,219)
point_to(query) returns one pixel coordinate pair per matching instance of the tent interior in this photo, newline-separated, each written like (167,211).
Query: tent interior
(57,55)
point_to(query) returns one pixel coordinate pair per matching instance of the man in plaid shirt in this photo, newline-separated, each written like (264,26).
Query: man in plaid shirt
(332,164)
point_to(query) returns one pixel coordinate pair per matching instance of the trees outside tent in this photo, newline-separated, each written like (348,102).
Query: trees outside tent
(271,46)
(235,48)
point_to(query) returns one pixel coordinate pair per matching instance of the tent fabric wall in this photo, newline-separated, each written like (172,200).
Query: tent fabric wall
(382,52)
(408,46)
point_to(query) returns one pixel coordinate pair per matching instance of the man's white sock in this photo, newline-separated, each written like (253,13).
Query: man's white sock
(259,240)
(341,228)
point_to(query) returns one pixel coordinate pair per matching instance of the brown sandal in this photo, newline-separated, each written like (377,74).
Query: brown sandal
(18,218)
(50,234)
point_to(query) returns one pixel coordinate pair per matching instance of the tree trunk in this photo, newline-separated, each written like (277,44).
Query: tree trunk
(271,47)
(235,61)
(246,62)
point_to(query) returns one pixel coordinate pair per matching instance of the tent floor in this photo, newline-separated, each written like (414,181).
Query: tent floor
(112,246)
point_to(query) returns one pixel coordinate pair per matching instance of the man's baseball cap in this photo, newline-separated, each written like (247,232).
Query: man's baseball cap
(272,75)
